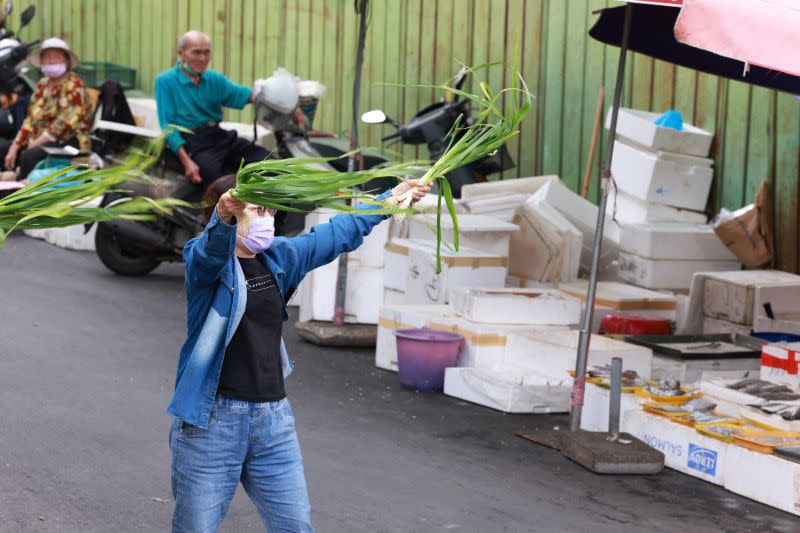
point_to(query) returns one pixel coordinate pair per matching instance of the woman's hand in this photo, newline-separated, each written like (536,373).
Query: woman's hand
(11,157)
(229,207)
(418,194)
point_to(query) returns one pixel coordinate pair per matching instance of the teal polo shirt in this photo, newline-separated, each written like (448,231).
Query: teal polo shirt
(181,102)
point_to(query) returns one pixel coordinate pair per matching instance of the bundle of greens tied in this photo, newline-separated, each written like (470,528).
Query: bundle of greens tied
(65,197)
(284,184)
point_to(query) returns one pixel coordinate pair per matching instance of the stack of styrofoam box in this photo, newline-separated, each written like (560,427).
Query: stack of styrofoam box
(409,275)
(364,279)
(730,302)
(485,317)
(666,255)
(501,198)
(663,178)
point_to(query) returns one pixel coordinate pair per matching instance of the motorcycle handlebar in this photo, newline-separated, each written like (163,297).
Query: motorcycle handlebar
(391,136)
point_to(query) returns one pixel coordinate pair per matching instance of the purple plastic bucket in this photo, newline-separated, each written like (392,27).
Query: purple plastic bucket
(423,354)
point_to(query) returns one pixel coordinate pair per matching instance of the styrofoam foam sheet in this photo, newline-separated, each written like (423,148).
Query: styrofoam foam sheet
(664,274)
(662,177)
(508,390)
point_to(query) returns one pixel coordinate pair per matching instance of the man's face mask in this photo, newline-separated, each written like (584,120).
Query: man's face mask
(260,234)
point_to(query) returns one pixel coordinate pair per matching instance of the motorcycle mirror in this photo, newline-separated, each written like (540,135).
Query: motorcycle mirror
(9,8)
(376,116)
(26,16)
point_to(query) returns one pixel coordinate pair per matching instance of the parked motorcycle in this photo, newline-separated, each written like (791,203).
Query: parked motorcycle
(17,79)
(136,248)
(434,125)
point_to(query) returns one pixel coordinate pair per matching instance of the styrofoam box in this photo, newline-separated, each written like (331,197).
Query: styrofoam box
(713,326)
(516,306)
(508,390)
(547,247)
(70,238)
(514,282)
(371,252)
(695,370)
(583,215)
(393,297)
(425,286)
(670,241)
(623,297)
(662,177)
(663,274)
(684,449)
(731,295)
(479,232)
(554,353)
(484,344)
(460,264)
(627,209)
(640,127)
(768,479)
(785,303)
(594,416)
(516,186)
(362,298)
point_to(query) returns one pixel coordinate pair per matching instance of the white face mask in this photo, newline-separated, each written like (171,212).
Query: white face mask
(54,70)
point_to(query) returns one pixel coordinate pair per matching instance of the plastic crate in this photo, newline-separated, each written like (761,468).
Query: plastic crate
(94,73)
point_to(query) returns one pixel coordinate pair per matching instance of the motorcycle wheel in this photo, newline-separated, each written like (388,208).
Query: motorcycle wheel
(118,260)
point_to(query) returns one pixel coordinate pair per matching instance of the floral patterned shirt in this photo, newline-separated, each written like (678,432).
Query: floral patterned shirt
(58,107)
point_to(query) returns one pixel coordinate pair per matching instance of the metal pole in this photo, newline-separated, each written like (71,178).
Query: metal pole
(341,278)
(579,386)
(615,398)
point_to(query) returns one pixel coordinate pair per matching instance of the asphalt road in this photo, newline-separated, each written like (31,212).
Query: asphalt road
(87,363)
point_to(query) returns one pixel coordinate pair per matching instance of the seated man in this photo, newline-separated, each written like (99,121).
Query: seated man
(191,95)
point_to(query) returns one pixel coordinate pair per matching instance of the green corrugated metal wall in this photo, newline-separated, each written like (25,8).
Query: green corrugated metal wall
(411,41)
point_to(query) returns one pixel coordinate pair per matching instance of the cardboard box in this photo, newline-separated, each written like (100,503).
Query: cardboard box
(425,286)
(640,127)
(461,265)
(478,232)
(663,274)
(362,298)
(627,209)
(779,364)
(662,177)
(516,306)
(670,241)
(554,354)
(508,390)
(732,295)
(484,344)
(547,247)
(748,232)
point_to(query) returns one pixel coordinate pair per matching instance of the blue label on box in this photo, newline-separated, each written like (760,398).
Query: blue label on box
(702,459)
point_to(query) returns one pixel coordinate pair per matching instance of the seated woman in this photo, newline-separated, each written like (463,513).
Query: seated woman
(59,112)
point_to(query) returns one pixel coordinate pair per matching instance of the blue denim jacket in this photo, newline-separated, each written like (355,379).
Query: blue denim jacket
(216,303)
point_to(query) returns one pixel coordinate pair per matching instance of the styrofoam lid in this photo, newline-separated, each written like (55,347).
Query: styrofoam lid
(615,291)
(473,223)
(403,246)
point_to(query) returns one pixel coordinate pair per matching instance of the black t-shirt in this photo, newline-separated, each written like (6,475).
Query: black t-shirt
(252,369)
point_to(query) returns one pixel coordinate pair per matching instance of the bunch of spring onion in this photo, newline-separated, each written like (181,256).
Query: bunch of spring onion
(283,184)
(61,199)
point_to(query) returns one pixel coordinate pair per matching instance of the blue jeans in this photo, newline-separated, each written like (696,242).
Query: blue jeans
(254,443)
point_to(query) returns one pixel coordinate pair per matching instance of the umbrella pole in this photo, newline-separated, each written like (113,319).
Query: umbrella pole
(579,385)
